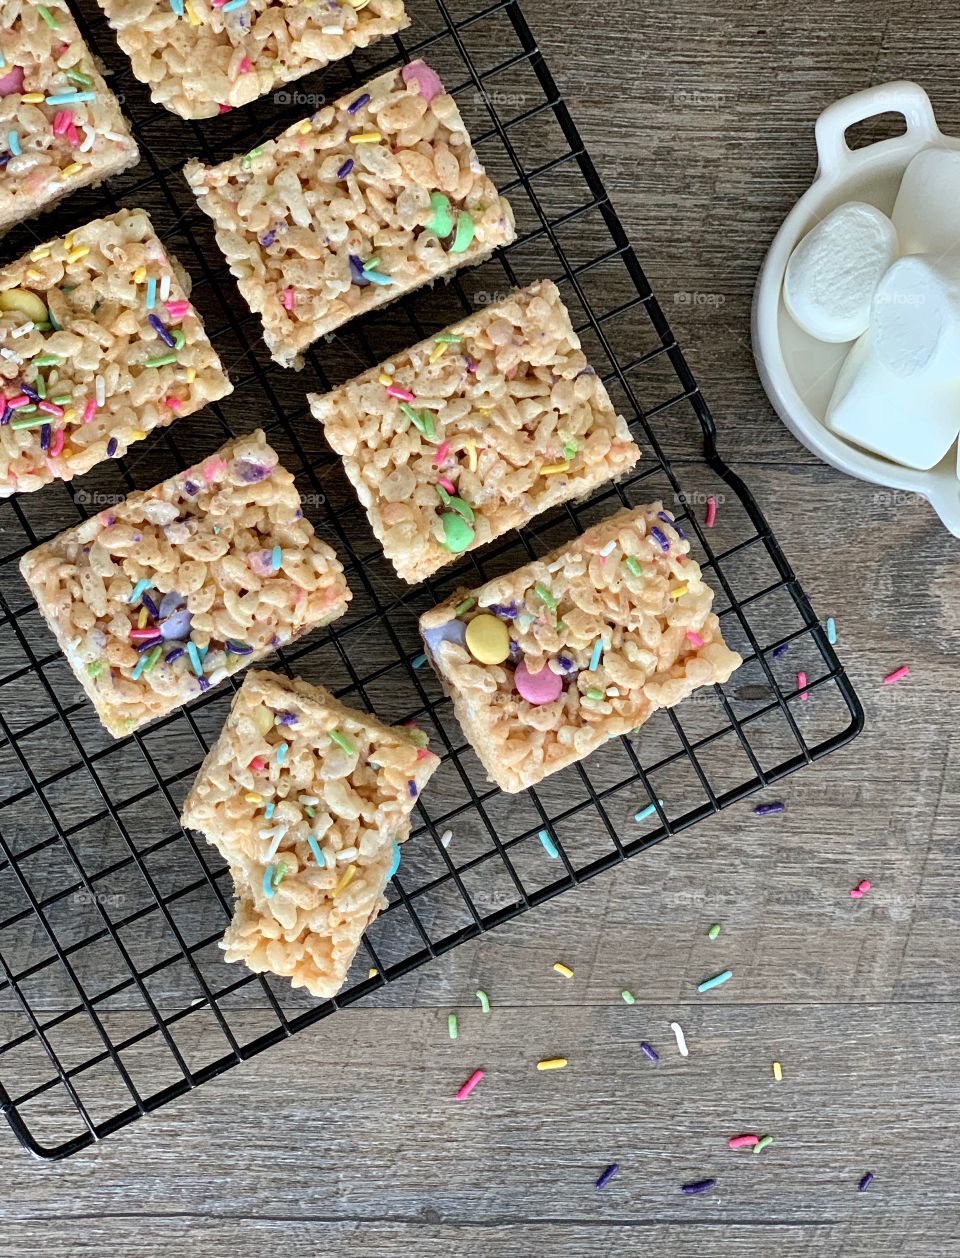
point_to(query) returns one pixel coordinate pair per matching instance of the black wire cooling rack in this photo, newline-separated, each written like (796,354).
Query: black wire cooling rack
(114,998)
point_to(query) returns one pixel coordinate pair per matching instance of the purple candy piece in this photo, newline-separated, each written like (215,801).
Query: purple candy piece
(170,602)
(268,238)
(176,626)
(286,718)
(250,473)
(506,611)
(453,631)
(356,272)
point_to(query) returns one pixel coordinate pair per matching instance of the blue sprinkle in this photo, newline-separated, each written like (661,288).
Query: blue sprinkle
(190,489)
(597,652)
(195,658)
(233,4)
(548,845)
(268,238)
(276,556)
(418,661)
(286,718)
(396,861)
(282,750)
(317,854)
(644,813)
(716,981)
(564,663)
(384,281)
(152,301)
(831,631)
(239,648)
(269,889)
(141,665)
(269,810)
(14,141)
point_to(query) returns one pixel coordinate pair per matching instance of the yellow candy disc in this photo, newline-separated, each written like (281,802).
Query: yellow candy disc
(488,639)
(26,302)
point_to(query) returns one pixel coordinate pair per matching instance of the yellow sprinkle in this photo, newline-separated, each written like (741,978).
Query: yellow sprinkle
(41,251)
(551,469)
(142,618)
(69,171)
(345,879)
(484,410)
(304,128)
(32,98)
(191,374)
(137,435)
(552,1063)
(564,970)
(33,274)
(252,797)
(68,241)
(191,14)
(777,1072)
(438,352)
(679,591)
(75,255)
(69,415)
(139,275)
(384,379)
(372,973)
(472,456)
(366,137)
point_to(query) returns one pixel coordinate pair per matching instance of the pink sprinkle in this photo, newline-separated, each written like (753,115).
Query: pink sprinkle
(245,66)
(860,891)
(89,410)
(50,408)
(422,753)
(211,468)
(72,134)
(470,1084)
(742,1142)
(442,452)
(890,679)
(56,445)
(395,391)
(711,512)
(16,402)
(694,638)
(61,120)
(288,299)
(801,685)
(448,485)
(225,109)
(428,81)
(857,893)
(177,309)
(172,402)
(257,765)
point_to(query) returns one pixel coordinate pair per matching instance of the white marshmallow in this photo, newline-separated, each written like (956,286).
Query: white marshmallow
(925,213)
(833,272)
(911,422)
(916,319)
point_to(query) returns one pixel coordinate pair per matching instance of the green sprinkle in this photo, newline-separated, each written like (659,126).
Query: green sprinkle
(18,424)
(48,17)
(762,1143)
(594,694)
(178,338)
(248,157)
(465,606)
(163,360)
(570,450)
(713,931)
(412,415)
(452,1026)
(448,338)
(463,509)
(46,360)
(484,1000)
(40,385)
(545,597)
(62,399)
(95,668)
(371,264)
(76,77)
(628,998)
(634,567)
(442,495)
(343,742)
(152,657)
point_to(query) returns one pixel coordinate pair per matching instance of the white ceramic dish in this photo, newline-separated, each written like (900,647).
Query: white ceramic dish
(798,372)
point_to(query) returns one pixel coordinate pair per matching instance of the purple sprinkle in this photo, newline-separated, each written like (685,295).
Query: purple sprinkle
(471,365)
(158,327)
(250,473)
(865,1182)
(781,650)
(286,718)
(764,810)
(111,447)
(649,1051)
(45,437)
(149,644)
(268,238)
(356,272)
(345,169)
(565,664)
(32,394)
(150,605)
(6,416)
(673,524)
(203,684)
(4,158)
(660,539)
(189,488)
(412,788)
(702,1185)
(506,611)
(239,648)
(174,654)
(608,1174)
(359,103)
(274,641)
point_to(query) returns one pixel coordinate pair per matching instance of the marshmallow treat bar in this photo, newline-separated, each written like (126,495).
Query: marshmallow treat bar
(167,594)
(546,663)
(475,431)
(373,196)
(308,802)
(99,345)
(60,125)
(203,57)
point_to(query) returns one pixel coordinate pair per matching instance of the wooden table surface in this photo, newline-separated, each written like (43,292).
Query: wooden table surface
(344,1140)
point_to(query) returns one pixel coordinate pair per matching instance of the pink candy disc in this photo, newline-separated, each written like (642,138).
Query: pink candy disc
(537,688)
(11,82)
(427,80)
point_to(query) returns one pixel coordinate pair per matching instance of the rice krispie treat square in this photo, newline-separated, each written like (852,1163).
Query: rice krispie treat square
(60,125)
(546,663)
(373,196)
(99,345)
(158,599)
(202,57)
(475,431)
(308,802)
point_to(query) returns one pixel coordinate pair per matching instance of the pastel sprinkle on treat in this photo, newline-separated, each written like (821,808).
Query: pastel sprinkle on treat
(698,1186)
(563,969)
(607,1174)
(552,1063)
(865,1182)
(777,1071)
(452,1028)
(470,1084)
(548,845)
(649,1051)
(898,674)
(717,981)
(714,931)
(484,1000)
(742,1142)
(677,1030)
(628,998)
(768,810)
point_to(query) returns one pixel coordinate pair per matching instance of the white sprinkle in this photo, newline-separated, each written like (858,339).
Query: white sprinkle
(677,1029)
(275,845)
(22,329)
(217,676)
(556,565)
(10,355)
(165,286)
(610,547)
(310,800)
(114,135)
(446,837)
(101,390)
(88,139)
(613,692)
(347,854)
(332,30)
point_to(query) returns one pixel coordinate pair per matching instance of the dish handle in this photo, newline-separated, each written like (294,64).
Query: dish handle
(901,97)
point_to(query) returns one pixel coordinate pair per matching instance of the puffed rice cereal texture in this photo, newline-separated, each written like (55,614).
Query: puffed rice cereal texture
(200,58)
(507,420)
(49,147)
(372,197)
(85,367)
(628,584)
(307,800)
(158,599)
